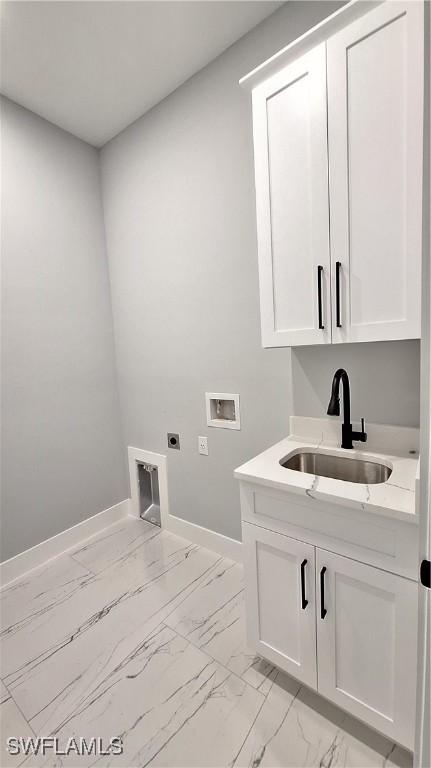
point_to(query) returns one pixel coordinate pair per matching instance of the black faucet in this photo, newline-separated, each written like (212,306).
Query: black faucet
(347,433)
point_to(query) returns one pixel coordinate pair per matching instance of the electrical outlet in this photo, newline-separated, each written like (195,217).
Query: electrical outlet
(203,445)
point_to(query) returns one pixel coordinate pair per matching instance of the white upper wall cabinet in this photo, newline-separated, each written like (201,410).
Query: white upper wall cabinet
(340,251)
(375,94)
(290,135)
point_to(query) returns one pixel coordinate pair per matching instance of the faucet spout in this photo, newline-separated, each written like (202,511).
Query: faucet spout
(334,404)
(348,435)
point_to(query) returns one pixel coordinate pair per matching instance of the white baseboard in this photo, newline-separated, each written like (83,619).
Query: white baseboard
(32,558)
(223,545)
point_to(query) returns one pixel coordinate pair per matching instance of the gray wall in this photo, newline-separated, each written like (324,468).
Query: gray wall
(384,380)
(62,457)
(180,225)
(179,209)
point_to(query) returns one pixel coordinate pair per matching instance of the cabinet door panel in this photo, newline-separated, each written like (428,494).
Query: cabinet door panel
(375,85)
(279,626)
(366,644)
(290,139)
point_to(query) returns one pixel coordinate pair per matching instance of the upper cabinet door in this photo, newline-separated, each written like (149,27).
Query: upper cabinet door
(290,144)
(375,113)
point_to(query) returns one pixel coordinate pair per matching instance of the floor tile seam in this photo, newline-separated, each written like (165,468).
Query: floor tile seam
(12,698)
(220,663)
(193,589)
(49,560)
(78,562)
(232,764)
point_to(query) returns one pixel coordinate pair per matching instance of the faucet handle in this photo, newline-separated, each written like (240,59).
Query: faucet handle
(362,435)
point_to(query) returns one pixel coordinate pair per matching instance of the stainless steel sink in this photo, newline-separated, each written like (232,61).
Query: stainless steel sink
(337,467)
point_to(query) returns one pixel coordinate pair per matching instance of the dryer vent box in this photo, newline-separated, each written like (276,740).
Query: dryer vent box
(222,410)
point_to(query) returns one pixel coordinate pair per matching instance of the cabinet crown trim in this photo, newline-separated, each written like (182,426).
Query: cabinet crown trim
(317,34)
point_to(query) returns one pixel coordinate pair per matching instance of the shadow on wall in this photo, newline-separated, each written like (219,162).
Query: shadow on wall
(384,376)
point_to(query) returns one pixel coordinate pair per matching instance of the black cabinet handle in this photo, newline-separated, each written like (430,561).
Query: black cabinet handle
(304,601)
(337,292)
(319,296)
(323,610)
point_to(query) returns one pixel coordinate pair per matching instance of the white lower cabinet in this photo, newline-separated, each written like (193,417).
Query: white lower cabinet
(344,628)
(366,643)
(280,601)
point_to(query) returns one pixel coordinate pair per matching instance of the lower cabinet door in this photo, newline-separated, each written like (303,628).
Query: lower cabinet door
(280,601)
(366,643)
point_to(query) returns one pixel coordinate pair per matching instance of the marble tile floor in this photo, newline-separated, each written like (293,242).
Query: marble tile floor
(140,634)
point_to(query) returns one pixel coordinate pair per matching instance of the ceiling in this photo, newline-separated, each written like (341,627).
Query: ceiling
(94,67)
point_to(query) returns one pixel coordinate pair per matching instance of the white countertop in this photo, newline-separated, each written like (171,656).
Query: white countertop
(394,498)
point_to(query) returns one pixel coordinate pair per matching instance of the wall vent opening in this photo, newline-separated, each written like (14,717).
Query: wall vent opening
(149,493)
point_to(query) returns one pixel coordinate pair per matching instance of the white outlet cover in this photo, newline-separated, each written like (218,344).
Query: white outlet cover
(203,445)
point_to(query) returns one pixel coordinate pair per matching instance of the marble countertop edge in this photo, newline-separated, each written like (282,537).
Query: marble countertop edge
(394,498)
